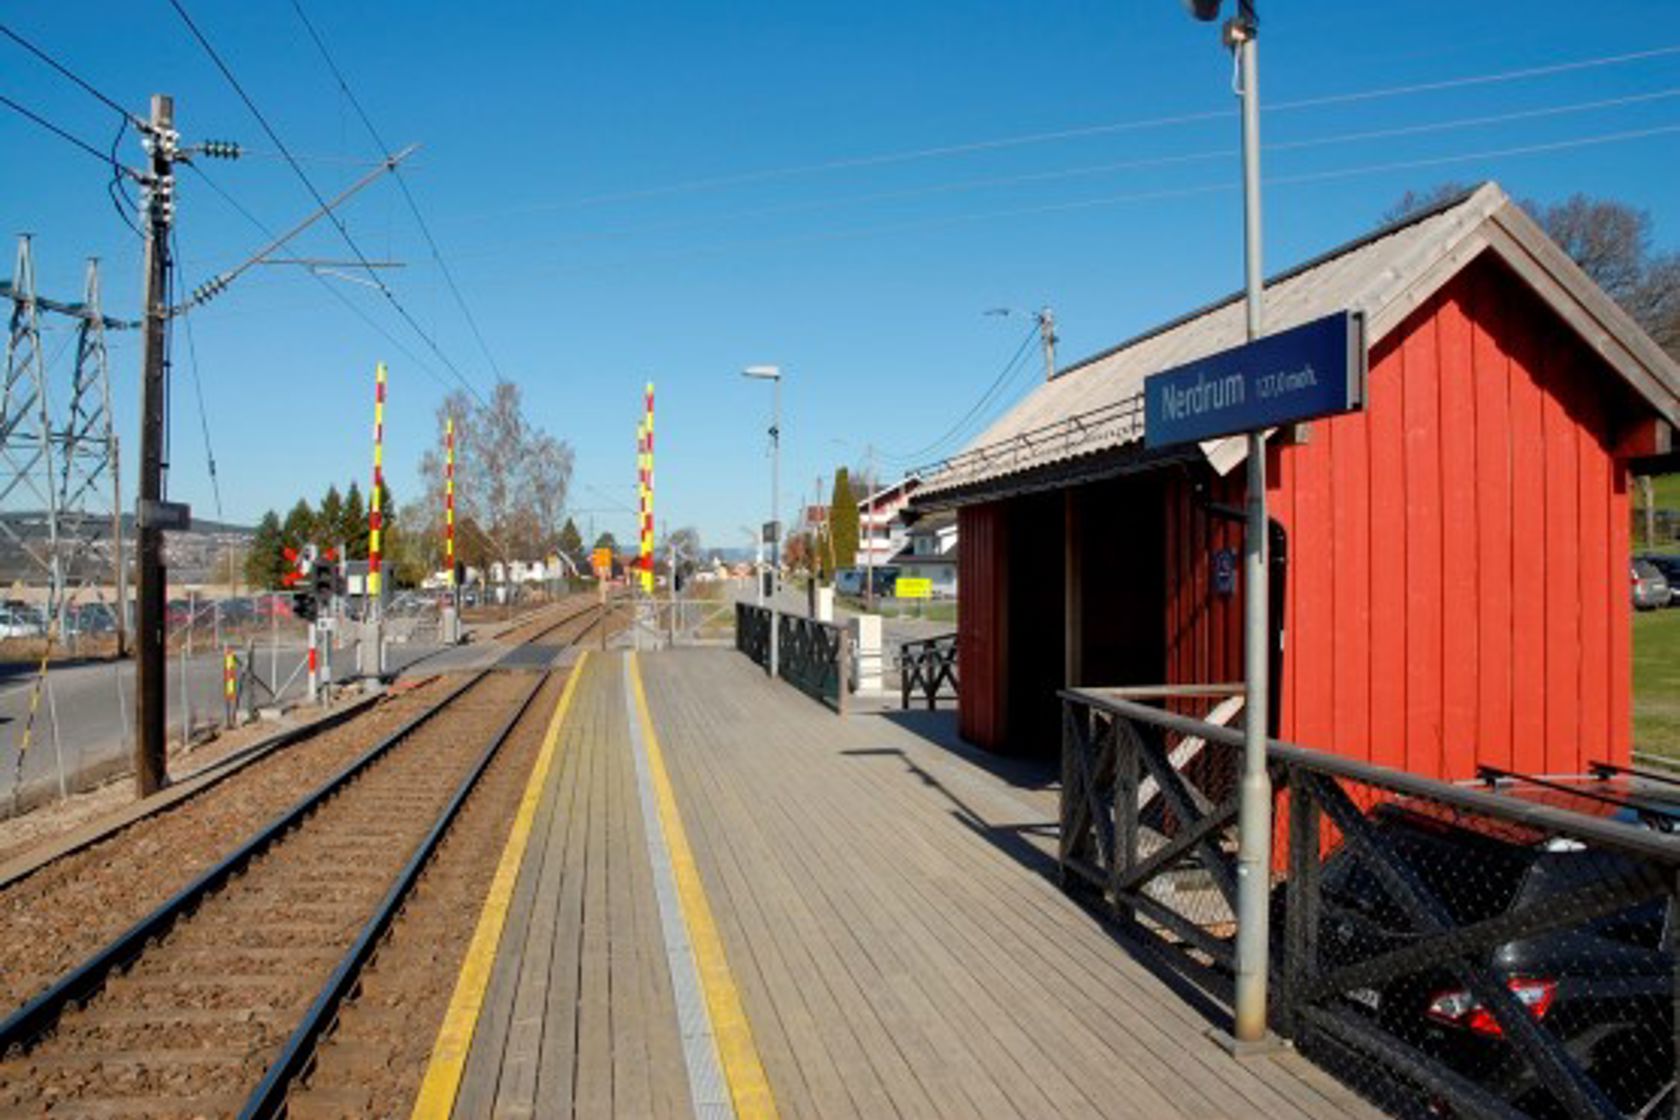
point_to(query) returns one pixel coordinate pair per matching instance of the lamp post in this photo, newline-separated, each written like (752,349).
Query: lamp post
(1254,821)
(773,374)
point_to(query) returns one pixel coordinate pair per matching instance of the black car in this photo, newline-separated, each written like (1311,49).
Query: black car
(1603,988)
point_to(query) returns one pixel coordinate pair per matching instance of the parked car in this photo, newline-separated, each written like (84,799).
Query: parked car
(1650,586)
(849,581)
(886,581)
(93,618)
(274,606)
(18,624)
(1603,987)
(1669,565)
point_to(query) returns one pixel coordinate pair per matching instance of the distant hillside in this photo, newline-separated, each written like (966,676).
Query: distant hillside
(192,556)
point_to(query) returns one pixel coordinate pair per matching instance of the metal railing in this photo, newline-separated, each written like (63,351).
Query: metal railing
(925,667)
(1446,950)
(752,632)
(815,657)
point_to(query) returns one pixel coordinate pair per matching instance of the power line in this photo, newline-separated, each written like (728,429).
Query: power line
(402,183)
(1142,124)
(109,102)
(338,223)
(985,398)
(1202,156)
(1160,195)
(63,135)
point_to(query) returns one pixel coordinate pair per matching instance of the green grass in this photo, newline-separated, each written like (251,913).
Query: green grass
(934,610)
(1656,681)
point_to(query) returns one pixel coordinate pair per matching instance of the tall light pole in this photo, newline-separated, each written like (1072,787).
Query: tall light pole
(1254,821)
(773,374)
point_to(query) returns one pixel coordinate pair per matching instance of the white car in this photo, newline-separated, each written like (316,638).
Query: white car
(17,624)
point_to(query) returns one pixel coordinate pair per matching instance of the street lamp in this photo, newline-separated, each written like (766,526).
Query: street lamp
(1254,820)
(773,374)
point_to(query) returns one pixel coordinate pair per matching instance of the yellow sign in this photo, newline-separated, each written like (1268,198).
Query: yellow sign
(601,561)
(913,587)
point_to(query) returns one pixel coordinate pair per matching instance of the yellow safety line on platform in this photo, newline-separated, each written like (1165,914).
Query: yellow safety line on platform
(454,1040)
(749,1087)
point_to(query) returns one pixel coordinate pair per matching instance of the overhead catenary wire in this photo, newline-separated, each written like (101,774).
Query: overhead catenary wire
(402,184)
(1140,124)
(109,102)
(309,185)
(198,391)
(349,304)
(64,134)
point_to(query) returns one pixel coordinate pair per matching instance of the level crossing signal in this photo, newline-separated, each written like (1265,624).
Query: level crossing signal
(312,574)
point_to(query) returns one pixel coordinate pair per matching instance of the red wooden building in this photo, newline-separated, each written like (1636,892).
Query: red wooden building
(1456,583)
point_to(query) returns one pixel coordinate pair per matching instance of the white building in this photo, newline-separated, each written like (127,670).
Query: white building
(881,533)
(932,553)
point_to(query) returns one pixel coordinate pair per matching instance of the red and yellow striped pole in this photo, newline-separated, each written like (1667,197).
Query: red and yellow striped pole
(641,492)
(449,498)
(647,488)
(376,517)
(230,684)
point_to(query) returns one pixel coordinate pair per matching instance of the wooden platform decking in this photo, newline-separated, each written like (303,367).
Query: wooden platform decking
(888,916)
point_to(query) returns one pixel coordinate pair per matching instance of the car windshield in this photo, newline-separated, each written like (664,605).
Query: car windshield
(1644,569)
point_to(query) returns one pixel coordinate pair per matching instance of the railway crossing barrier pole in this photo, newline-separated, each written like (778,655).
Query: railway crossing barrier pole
(314,665)
(186,697)
(230,669)
(274,643)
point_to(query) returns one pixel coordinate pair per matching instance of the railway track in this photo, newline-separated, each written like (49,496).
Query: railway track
(214,1003)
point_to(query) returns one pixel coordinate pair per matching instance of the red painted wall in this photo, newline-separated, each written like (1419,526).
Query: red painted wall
(1458,552)
(982,625)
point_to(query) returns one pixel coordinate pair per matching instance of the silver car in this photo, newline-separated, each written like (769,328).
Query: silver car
(1650,586)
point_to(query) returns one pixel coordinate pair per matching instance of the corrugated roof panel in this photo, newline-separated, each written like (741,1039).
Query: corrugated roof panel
(1097,405)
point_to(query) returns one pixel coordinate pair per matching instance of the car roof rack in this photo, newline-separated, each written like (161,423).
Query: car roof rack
(1610,769)
(1647,814)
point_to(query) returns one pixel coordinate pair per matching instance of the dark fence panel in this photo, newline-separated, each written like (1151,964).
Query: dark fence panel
(1502,950)
(926,667)
(752,632)
(815,658)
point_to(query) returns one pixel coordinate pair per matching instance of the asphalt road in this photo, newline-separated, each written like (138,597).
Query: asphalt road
(93,703)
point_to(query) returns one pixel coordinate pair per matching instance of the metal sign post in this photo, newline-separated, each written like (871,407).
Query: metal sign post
(1314,370)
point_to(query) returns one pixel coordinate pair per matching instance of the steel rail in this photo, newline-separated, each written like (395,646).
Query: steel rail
(214,773)
(269,1098)
(39,1014)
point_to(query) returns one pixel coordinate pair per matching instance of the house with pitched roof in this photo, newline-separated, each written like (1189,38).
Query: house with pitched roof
(1450,565)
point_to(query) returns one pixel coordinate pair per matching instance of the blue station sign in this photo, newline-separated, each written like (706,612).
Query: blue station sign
(1316,369)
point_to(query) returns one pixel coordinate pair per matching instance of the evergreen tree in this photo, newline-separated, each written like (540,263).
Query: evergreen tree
(571,544)
(843,521)
(329,519)
(606,541)
(299,526)
(354,525)
(264,563)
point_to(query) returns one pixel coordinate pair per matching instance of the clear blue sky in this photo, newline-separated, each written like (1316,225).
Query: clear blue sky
(672,191)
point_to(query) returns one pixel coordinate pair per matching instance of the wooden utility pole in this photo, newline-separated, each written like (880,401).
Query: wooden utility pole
(1047,338)
(151,769)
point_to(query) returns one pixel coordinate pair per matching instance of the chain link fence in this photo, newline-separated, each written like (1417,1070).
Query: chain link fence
(1502,949)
